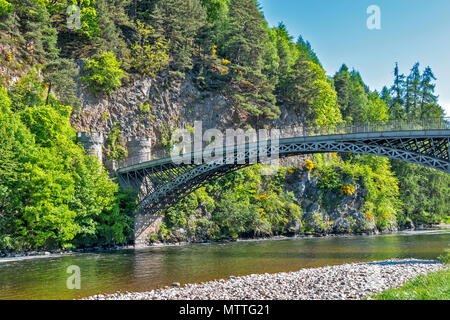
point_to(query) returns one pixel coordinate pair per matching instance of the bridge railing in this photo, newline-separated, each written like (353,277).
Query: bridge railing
(367,127)
(309,131)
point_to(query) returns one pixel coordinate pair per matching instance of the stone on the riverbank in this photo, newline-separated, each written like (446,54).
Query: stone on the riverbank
(347,281)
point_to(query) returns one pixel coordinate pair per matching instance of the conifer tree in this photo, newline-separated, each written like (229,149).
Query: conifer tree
(398,92)
(246,35)
(343,87)
(178,22)
(412,91)
(428,105)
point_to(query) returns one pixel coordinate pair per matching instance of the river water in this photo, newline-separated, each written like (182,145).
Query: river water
(150,268)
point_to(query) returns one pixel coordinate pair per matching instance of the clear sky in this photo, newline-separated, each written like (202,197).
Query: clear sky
(411,31)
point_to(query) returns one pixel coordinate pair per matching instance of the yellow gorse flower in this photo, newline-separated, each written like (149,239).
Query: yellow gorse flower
(348,189)
(309,165)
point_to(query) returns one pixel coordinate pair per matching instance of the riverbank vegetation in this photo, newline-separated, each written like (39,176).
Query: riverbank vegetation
(53,195)
(433,286)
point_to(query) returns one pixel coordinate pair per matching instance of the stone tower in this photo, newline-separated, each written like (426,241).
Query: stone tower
(139,150)
(93,143)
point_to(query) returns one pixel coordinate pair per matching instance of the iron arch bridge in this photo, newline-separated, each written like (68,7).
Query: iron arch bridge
(163,182)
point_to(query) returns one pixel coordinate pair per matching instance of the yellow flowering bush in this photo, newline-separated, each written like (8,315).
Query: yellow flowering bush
(309,165)
(347,189)
(369,216)
(262,197)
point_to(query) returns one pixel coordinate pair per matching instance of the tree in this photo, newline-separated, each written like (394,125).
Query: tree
(178,22)
(304,47)
(103,73)
(398,91)
(309,91)
(52,195)
(424,191)
(149,53)
(343,87)
(377,110)
(287,55)
(412,91)
(59,75)
(358,102)
(216,9)
(246,35)
(428,105)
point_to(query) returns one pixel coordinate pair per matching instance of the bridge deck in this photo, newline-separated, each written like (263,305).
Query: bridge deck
(443,133)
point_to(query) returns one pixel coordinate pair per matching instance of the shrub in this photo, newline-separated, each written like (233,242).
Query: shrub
(445,258)
(115,145)
(5,7)
(103,73)
(309,165)
(149,52)
(347,189)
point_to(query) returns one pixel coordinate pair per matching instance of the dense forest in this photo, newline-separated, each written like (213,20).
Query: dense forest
(53,195)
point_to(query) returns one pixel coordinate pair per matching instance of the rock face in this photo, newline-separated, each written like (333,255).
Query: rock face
(150,109)
(147,111)
(344,215)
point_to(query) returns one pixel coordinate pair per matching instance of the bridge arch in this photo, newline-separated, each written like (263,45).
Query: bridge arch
(161,183)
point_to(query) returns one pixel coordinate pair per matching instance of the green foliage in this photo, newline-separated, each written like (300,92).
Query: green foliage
(52,194)
(308,90)
(5,8)
(103,73)
(433,286)
(27,92)
(425,191)
(178,22)
(245,35)
(242,203)
(216,9)
(149,53)
(371,173)
(115,145)
(413,96)
(59,75)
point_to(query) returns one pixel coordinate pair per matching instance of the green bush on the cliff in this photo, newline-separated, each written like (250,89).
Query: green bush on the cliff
(149,52)
(242,203)
(5,7)
(372,173)
(115,145)
(103,73)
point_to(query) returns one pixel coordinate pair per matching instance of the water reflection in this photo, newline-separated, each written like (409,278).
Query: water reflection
(146,269)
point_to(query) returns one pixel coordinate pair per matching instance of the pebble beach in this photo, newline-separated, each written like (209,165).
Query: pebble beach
(352,281)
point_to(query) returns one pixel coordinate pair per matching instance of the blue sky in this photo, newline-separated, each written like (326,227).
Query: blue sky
(411,31)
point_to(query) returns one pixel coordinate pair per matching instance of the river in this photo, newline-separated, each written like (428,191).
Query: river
(156,267)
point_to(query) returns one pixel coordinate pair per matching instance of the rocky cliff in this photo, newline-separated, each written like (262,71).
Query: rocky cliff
(150,109)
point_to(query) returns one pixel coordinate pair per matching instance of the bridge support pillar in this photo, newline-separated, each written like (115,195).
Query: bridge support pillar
(93,143)
(146,225)
(139,151)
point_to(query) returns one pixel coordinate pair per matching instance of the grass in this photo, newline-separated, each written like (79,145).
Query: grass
(433,286)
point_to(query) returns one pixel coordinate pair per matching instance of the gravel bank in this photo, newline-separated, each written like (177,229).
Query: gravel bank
(348,281)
